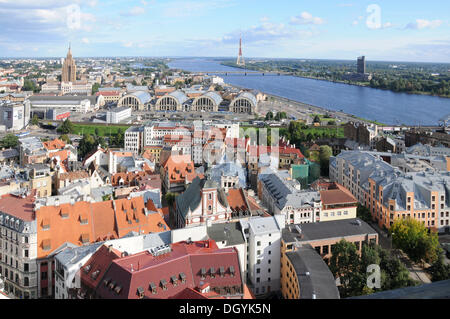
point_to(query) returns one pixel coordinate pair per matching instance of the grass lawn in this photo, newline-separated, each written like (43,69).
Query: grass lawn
(103,130)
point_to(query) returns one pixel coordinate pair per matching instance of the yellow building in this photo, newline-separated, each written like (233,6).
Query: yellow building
(40,179)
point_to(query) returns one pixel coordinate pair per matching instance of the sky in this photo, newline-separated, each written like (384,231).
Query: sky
(389,30)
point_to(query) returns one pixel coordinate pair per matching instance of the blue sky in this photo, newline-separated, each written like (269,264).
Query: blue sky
(324,29)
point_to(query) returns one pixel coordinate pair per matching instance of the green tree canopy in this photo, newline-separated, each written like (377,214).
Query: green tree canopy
(9,141)
(35,120)
(269,116)
(66,127)
(95,88)
(324,156)
(415,240)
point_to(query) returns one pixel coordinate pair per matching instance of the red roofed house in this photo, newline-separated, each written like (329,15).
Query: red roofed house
(177,172)
(181,270)
(84,223)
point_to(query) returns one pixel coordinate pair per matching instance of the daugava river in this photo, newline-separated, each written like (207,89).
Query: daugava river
(373,104)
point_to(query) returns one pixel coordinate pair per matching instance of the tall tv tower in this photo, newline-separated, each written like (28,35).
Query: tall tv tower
(240,60)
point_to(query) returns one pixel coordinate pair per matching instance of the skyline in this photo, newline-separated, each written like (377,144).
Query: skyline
(407,31)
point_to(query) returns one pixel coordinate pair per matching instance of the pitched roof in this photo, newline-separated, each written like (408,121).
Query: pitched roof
(55,144)
(180,168)
(18,207)
(143,271)
(85,222)
(72,176)
(337,196)
(93,270)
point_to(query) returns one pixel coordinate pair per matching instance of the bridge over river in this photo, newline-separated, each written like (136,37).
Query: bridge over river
(242,73)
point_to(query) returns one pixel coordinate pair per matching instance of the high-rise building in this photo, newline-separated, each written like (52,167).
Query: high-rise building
(362,65)
(69,69)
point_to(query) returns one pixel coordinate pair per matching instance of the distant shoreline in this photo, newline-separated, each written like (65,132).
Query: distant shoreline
(342,82)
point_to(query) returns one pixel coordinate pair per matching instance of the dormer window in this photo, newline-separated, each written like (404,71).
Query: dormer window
(140,292)
(87,269)
(183,277)
(163,284)
(222,271)
(111,285)
(232,271)
(174,281)
(95,274)
(152,288)
(203,273)
(212,272)
(118,289)
(46,224)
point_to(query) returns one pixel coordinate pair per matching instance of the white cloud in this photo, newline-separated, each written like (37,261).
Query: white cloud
(420,24)
(135,11)
(306,18)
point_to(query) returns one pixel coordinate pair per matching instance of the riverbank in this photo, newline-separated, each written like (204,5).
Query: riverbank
(360,84)
(301,110)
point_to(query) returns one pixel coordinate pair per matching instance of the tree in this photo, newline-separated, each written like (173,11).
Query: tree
(269,116)
(66,127)
(363,213)
(29,85)
(352,269)
(439,270)
(86,145)
(415,240)
(218,88)
(65,138)
(35,120)
(9,141)
(345,264)
(95,88)
(316,119)
(324,156)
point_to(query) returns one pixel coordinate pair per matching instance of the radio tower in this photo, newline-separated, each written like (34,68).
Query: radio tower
(240,60)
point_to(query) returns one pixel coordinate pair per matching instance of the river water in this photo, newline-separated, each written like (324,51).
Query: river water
(373,104)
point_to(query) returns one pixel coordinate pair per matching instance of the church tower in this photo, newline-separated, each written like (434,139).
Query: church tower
(69,69)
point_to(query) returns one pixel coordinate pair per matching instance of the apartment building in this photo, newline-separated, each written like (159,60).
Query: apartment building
(18,245)
(282,195)
(391,194)
(263,236)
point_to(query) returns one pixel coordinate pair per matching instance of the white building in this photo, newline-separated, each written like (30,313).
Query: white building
(263,236)
(117,115)
(78,104)
(14,116)
(134,139)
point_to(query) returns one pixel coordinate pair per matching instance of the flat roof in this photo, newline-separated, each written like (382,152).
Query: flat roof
(229,232)
(325,230)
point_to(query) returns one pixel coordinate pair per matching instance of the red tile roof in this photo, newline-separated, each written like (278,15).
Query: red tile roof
(180,168)
(93,270)
(94,222)
(56,144)
(18,207)
(337,196)
(141,271)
